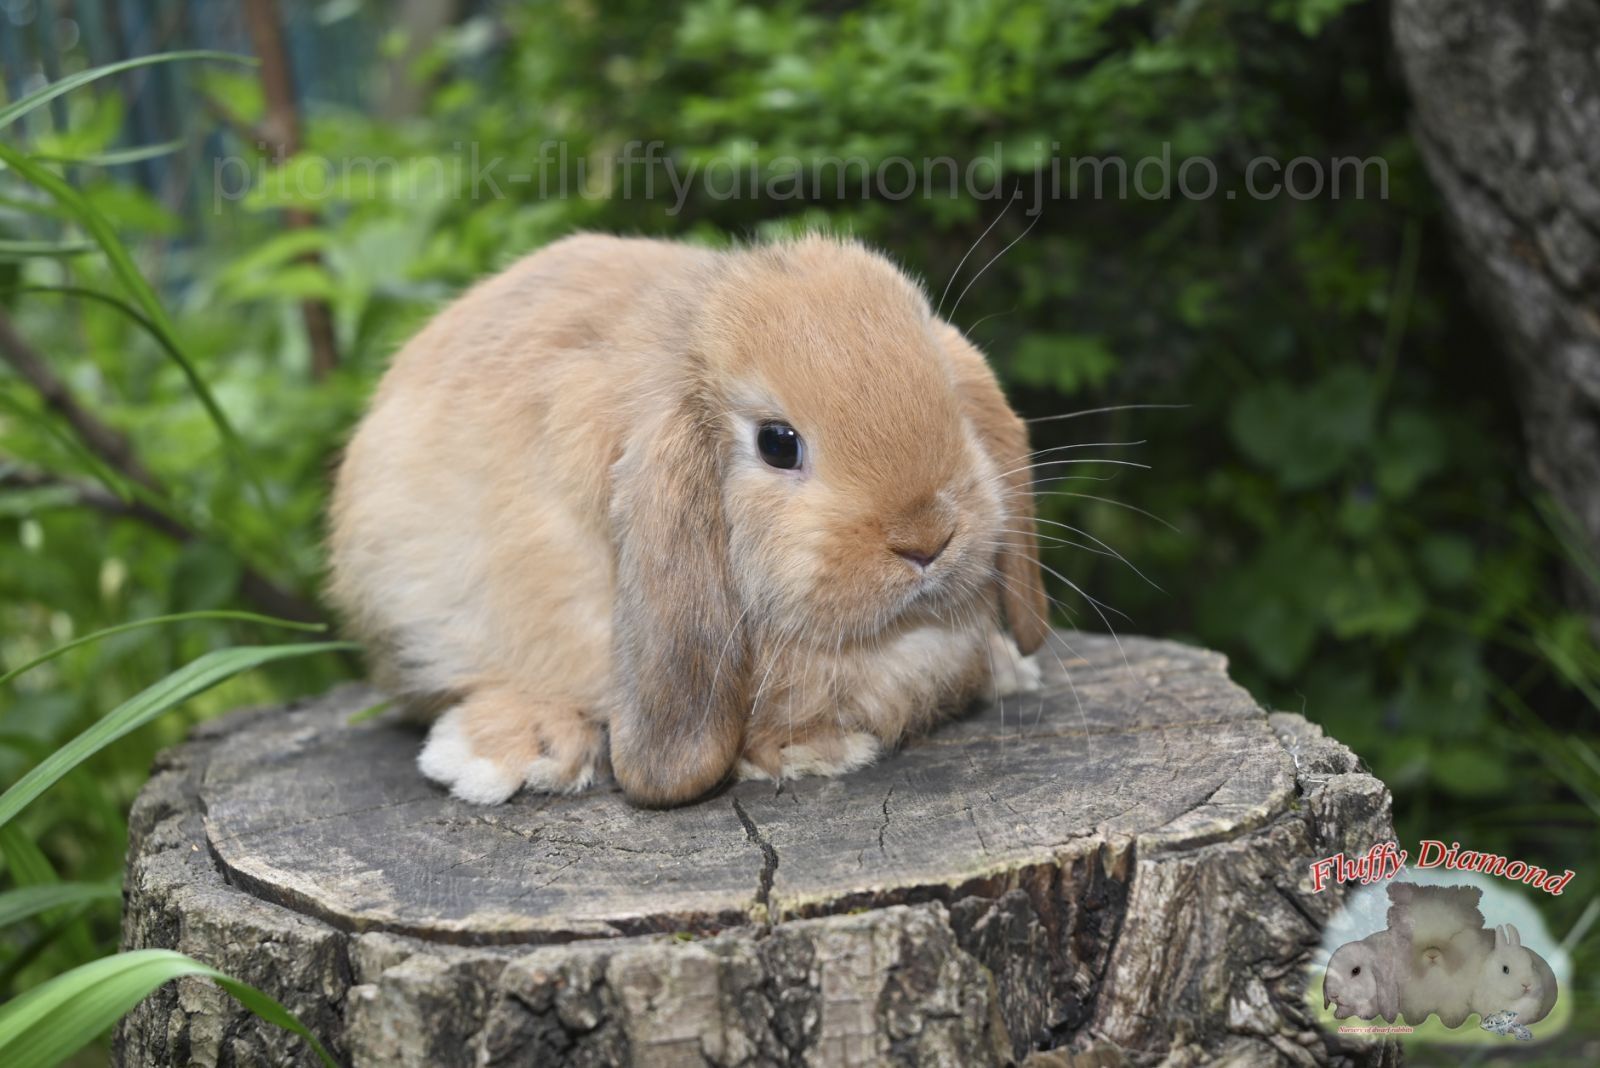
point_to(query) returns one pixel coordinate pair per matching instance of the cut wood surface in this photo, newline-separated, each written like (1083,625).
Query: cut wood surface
(1112,868)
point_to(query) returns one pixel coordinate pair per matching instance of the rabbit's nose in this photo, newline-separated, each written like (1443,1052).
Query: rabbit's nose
(1526,987)
(922,557)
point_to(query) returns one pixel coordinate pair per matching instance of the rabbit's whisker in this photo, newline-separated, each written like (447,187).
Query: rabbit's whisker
(974,247)
(1103,545)
(1101,411)
(1026,231)
(1120,504)
(1054,636)
(1065,463)
(1091,445)
(716,673)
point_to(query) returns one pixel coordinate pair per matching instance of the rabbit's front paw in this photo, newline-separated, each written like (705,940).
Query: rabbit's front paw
(489,747)
(1013,673)
(823,755)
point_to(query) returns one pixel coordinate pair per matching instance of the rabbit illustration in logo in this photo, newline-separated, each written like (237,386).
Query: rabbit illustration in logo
(1435,957)
(1361,981)
(1513,978)
(1437,929)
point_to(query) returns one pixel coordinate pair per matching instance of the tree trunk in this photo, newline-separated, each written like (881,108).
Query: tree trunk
(1507,114)
(1114,870)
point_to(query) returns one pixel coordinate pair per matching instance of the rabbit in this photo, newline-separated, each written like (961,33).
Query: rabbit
(1362,978)
(684,515)
(1437,929)
(1512,978)
(1430,915)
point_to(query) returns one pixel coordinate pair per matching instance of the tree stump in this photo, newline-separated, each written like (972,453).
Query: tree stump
(1114,868)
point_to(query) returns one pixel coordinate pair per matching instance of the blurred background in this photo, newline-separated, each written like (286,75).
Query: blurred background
(1342,493)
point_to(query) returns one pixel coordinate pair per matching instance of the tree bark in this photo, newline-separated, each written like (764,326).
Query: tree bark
(1507,115)
(1118,881)
(281,128)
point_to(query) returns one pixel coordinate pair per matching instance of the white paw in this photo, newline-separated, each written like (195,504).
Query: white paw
(449,760)
(846,753)
(546,776)
(1013,672)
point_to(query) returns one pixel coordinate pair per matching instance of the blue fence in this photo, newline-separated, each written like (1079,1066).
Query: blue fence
(332,44)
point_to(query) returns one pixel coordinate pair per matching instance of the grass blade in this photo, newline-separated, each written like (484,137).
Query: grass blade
(14,111)
(153,621)
(193,678)
(117,156)
(26,902)
(25,860)
(107,477)
(31,870)
(122,265)
(24,249)
(48,1024)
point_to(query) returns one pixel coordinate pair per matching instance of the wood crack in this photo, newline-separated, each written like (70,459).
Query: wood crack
(769,859)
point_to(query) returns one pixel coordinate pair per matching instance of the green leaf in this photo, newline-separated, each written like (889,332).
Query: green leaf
(1305,436)
(370,712)
(30,869)
(191,679)
(156,621)
(24,249)
(107,477)
(26,862)
(116,156)
(14,111)
(1412,448)
(48,1024)
(204,576)
(1468,772)
(144,296)
(1448,560)
(1375,597)
(1067,363)
(28,901)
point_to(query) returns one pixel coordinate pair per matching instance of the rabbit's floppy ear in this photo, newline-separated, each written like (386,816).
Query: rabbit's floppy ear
(1005,439)
(678,716)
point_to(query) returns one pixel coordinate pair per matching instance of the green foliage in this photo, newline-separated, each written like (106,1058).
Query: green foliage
(1353,525)
(50,1023)
(193,678)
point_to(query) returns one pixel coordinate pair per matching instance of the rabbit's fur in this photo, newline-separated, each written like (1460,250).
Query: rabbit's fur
(554,522)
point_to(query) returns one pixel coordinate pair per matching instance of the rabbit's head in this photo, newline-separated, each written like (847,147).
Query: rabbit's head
(837,465)
(869,462)
(1511,979)
(1354,982)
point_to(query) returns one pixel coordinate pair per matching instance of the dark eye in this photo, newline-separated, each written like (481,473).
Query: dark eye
(1506,968)
(1356,970)
(780,446)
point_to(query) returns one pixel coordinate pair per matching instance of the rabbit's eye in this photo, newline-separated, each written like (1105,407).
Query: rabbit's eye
(1506,968)
(1356,970)
(780,446)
